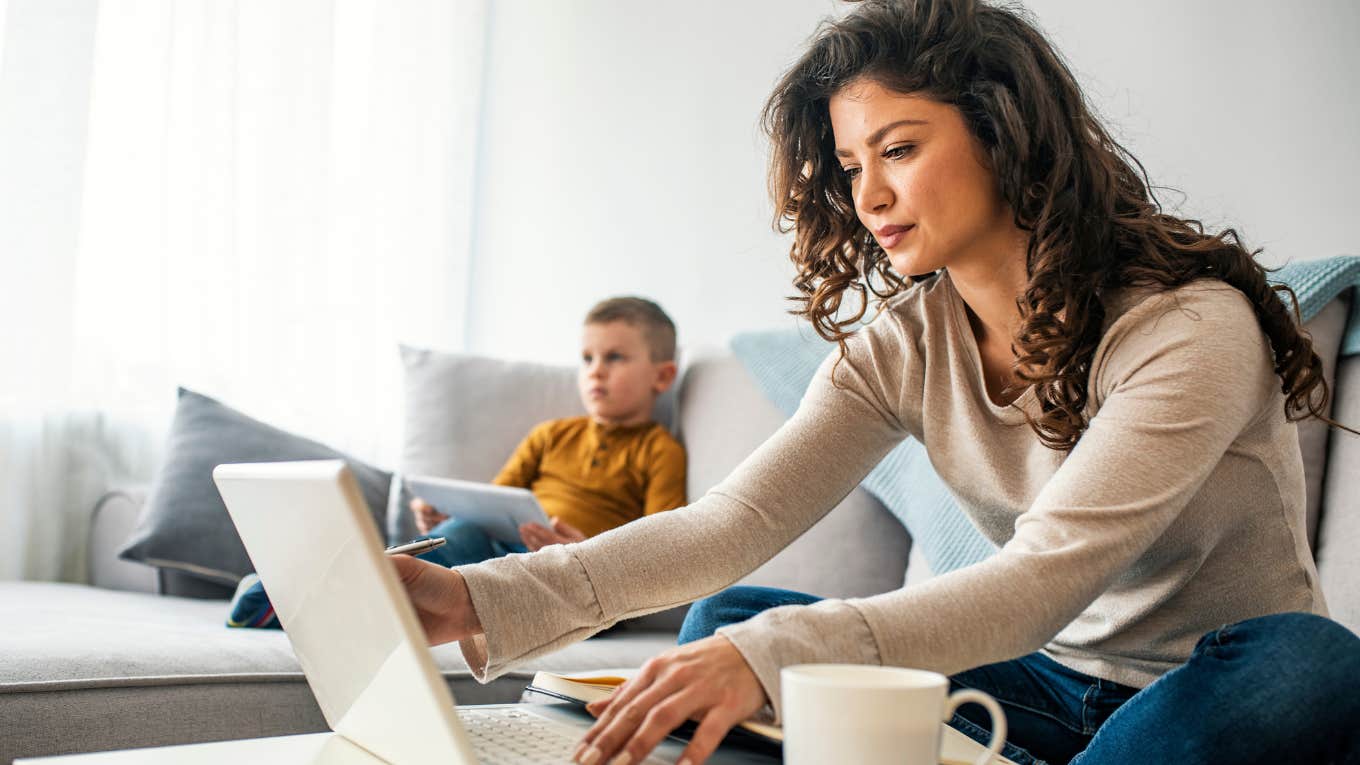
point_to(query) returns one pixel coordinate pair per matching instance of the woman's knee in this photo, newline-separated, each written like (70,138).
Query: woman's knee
(707,615)
(1277,688)
(1283,649)
(1312,646)
(1297,642)
(733,605)
(1308,662)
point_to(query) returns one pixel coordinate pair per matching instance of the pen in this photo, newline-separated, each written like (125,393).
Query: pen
(417,547)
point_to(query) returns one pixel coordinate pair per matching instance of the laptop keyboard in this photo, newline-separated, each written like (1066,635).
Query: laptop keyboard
(508,736)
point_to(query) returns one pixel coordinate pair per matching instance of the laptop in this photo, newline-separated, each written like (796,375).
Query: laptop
(360,645)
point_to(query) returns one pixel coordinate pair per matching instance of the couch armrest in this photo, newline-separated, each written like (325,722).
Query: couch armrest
(114,517)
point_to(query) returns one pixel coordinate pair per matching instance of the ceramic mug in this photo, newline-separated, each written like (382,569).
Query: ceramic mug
(873,715)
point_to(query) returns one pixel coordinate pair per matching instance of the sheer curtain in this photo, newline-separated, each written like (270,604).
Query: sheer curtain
(274,196)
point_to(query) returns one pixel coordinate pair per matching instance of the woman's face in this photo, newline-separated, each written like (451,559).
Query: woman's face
(918,180)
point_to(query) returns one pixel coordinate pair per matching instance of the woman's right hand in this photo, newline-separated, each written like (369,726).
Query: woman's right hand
(441,599)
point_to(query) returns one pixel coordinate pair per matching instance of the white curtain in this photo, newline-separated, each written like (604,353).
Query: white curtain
(275,194)
(4,13)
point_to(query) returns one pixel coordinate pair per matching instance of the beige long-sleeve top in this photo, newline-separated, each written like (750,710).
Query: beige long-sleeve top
(1180,509)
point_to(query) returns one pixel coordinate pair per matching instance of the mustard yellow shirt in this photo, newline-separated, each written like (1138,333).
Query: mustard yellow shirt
(596,477)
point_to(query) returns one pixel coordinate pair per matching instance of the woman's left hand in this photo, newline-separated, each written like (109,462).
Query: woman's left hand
(707,680)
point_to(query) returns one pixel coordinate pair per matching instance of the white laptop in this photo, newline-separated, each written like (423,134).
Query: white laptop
(314,545)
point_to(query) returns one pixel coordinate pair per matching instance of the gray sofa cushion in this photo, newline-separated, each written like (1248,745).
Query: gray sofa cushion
(184,525)
(1326,329)
(464,415)
(165,670)
(1338,548)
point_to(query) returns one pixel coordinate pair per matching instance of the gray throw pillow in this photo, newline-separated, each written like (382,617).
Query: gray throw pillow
(184,525)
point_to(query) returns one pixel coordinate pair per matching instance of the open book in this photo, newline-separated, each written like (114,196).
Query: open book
(583,688)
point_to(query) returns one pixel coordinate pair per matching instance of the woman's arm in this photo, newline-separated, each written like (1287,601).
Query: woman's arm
(668,559)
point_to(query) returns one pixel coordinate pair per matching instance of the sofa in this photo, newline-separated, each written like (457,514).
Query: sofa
(139,656)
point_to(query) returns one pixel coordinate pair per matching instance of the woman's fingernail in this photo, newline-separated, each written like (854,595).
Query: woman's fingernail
(576,755)
(622,759)
(684,762)
(591,756)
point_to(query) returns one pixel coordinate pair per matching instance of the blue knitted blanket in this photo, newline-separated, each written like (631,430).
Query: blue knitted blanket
(784,361)
(1317,282)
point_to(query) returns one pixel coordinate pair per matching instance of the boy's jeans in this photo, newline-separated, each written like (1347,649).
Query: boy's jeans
(1274,689)
(465,543)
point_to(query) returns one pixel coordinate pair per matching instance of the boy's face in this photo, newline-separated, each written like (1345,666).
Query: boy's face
(617,379)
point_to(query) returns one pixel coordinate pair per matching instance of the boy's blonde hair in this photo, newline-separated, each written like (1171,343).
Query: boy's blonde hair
(657,328)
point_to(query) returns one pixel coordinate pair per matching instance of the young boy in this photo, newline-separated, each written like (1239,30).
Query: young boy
(589,473)
(599,471)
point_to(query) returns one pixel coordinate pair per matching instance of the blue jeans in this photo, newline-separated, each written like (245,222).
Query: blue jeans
(1275,689)
(464,544)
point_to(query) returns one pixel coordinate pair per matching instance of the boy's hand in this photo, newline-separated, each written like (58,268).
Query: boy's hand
(536,536)
(426,516)
(441,599)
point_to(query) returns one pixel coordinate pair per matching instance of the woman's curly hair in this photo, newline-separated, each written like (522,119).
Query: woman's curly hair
(1093,221)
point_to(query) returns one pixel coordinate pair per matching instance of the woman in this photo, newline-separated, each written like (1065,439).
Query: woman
(1106,389)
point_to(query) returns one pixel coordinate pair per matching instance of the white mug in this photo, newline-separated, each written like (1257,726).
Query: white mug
(873,715)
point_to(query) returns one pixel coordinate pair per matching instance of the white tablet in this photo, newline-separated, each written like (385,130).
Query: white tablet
(497,510)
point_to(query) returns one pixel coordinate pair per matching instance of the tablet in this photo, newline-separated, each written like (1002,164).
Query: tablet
(497,510)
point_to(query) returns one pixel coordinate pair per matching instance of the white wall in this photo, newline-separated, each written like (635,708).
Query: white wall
(621,154)
(1249,107)
(620,149)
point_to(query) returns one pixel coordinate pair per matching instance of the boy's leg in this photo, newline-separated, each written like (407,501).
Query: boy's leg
(508,549)
(1273,689)
(464,543)
(250,606)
